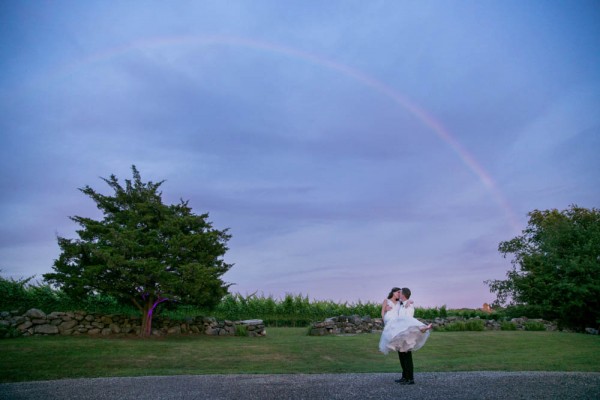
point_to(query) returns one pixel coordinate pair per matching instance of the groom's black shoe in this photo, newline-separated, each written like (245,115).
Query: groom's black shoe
(401,380)
(408,382)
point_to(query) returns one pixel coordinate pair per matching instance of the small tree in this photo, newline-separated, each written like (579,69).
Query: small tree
(143,251)
(556,266)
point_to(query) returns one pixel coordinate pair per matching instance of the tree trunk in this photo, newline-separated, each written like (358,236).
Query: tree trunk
(146,329)
(147,314)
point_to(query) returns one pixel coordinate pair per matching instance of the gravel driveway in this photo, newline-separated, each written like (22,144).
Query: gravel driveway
(432,385)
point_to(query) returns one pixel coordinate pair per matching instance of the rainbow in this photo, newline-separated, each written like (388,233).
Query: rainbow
(425,117)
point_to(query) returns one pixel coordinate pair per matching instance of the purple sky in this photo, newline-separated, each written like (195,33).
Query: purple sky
(349,146)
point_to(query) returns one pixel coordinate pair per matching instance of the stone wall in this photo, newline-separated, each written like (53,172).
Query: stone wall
(346,325)
(491,324)
(36,322)
(355,324)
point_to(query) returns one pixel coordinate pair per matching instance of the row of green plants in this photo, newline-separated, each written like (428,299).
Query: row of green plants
(479,325)
(23,294)
(292,310)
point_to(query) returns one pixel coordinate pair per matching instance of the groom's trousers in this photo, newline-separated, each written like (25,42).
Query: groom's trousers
(406,362)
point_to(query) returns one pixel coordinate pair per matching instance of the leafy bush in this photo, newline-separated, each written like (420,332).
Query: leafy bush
(474,325)
(8,332)
(453,327)
(241,330)
(24,294)
(468,313)
(508,326)
(431,313)
(443,312)
(495,315)
(470,325)
(14,293)
(534,326)
(519,311)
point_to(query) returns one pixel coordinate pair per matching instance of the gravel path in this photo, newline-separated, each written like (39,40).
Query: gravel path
(432,385)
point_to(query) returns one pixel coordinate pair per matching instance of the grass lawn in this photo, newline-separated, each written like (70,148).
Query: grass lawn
(290,350)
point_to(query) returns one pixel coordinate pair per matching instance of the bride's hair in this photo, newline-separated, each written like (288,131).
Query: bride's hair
(394,290)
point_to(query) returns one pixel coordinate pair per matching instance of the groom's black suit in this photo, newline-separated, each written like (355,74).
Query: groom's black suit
(406,362)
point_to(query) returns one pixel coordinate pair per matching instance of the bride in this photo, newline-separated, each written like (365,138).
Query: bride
(402,332)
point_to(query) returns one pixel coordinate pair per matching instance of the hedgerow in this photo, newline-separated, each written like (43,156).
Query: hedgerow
(292,310)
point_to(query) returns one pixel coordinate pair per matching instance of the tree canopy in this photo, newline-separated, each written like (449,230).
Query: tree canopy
(143,251)
(556,266)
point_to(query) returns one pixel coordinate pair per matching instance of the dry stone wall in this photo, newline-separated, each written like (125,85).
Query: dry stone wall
(36,322)
(355,324)
(346,325)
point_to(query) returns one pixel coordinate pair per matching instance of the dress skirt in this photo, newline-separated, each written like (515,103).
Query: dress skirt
(402,334)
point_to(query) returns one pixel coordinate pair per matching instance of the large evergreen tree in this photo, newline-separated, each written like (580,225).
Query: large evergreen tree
(143,251)
(556,266)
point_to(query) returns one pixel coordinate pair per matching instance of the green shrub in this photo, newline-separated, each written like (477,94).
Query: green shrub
(431,313)
(241,330)
(453,327)
(468,313)
(494,315)
(8,332)
(474,325)
(458,326)
(443,312)
(534,326)
(13,293)
(508,326)
(528,311)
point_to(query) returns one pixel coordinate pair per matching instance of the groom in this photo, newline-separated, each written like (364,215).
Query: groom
(406,361)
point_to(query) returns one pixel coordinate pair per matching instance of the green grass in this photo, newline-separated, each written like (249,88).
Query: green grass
(290,350)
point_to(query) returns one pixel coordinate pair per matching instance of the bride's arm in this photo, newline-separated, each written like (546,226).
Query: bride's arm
(410,309)
(384,308)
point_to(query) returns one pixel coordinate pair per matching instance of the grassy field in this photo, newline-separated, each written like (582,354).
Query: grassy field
(290,350)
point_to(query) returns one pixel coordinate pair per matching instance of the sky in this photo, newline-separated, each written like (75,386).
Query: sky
(349,146)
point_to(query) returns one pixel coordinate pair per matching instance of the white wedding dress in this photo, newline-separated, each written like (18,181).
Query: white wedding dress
(401,331)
